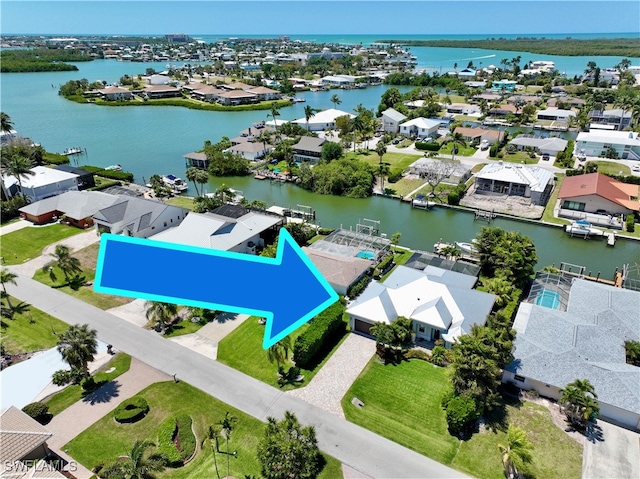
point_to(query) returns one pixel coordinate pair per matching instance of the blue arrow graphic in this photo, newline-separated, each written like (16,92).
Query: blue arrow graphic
(287,290)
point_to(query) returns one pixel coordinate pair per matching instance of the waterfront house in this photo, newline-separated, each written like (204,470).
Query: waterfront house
(555,114)
(323,120)
(309,149)
(463,109)
(596,192)
(114,93)
(138,217)
(503,110)
(420,127)
(45,182)
(503,85)
(85,179)
(391,120)
(250,149)
(625,144)
(159,79)
(614,119)
(442,304)
(23,447)
(196,159)
(77,207)
(264,93)
(541,145)
(341,272)
(515,180)
(460,172)
(206,92)
(478,135)
(228,228)
(339,80)
(161,91)
(557,344)
(236,97)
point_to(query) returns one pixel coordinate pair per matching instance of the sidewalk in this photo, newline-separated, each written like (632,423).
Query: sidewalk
(15,226)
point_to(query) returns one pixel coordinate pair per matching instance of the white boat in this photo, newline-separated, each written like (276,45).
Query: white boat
(468,248)
(175,183)
(74,150)
(114,168)
(299,100)
(583,228)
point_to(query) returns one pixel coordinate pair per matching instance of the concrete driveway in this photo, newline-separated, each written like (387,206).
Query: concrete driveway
(611,451)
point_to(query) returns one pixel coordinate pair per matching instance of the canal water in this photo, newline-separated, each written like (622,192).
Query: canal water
(147,140)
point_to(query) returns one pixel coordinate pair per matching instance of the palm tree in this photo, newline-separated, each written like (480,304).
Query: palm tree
(5,122)
(77,346)
(456,140)
(160,313)
(501,287)
(213,434)
(227,428)
(335,99)
(308,114)
(17,166)
(198,177)
(279,352)
(274,113)
(64,261)
(516,453)
(578,400)
(381,150)
(136,465)
(7,276)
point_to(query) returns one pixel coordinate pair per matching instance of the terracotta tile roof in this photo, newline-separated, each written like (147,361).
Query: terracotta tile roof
(603,186)
(20,434)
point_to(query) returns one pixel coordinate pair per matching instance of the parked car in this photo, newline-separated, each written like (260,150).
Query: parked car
(545,157)
(635,167)
(484,145)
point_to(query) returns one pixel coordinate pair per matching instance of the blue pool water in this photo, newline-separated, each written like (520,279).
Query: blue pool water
(366,254)
(548,299)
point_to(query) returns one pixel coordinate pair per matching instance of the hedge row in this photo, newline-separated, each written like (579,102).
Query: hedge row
(321,335)
(131,410)
(38,411)
(177,426)
(355,289)
(429,146)
(105,185)
(111,174)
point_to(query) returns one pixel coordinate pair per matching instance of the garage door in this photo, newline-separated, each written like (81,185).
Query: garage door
(362,326)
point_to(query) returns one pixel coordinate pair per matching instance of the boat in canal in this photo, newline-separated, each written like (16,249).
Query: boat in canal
(583,228)
(176,184)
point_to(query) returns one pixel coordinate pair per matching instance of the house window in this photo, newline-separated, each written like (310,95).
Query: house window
(421,328)
(519,378)
(574,205)
(165,223)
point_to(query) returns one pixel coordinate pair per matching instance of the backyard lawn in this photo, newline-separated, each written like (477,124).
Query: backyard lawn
(397,161)
(32,331)
(28,243)
(60,401)
(106,439)
(611,167)
(242,350)
(402,403)
(445,150)
(548,210)
(181,201)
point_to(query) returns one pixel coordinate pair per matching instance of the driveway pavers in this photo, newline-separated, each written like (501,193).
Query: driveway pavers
(331,383)
(611,451)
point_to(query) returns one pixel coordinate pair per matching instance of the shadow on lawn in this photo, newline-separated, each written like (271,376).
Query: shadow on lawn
(104,392)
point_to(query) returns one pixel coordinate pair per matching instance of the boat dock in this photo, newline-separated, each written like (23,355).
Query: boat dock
(611,238)
(487,216)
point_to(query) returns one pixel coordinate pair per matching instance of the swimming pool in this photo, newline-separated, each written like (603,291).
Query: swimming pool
(366,254)
(548,299)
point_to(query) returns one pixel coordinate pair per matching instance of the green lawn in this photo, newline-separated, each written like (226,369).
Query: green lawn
(403,186)
(242,350)
(74,393)
(183,327)
(31,331)
(401,257)
(521,157)
(611,167)
(181,201)
(28,243)
(548,210)
(106,440)
(402,403)
(84,293)
(396,161)
(445,150)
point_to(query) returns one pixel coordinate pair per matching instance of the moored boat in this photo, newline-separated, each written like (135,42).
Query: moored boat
(74,150)
(583,228)
(467,248)
(114,168)
(175,183)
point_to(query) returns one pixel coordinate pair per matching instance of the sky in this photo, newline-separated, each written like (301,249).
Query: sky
(206,17)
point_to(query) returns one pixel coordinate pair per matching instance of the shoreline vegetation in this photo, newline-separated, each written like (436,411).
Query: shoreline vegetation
(40,60)
(625,47)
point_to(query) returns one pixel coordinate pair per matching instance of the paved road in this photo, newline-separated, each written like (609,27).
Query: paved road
(352,445)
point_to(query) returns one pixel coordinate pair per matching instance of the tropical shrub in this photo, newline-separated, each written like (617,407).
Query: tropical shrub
(630,223)
(461,411)
(357,288)
(111,174)
(176,426)
(38,411)
(323,332)
(429,146)
(131,410)
(416,353)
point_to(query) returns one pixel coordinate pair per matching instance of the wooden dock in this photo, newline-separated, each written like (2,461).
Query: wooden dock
(484,215)
(260,177)
(611,238)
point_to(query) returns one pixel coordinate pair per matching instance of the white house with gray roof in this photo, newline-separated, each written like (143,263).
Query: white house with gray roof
(550,145)
(594,142)
(441,303)
(138,217)
(515,180)
(554,348)
(420,127)
(324,120)
(211,230)
(391,120)
(44,182)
